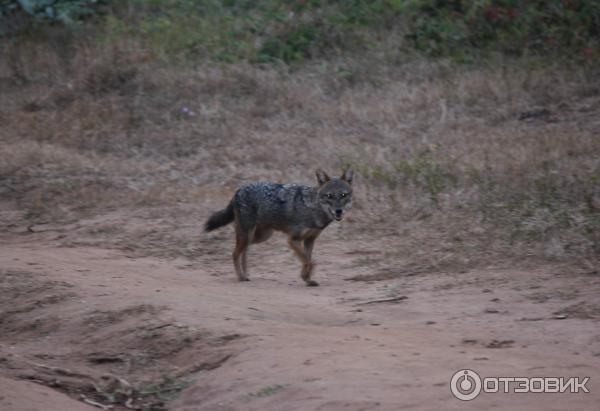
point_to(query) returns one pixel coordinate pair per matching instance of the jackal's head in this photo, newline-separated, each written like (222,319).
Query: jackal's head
(335,194)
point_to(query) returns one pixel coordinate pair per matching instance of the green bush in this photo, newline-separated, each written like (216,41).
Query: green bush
(296,30)
(66,11)
(257,31)
(459,28)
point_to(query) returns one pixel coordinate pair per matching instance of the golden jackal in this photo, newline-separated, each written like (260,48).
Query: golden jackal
(301,212)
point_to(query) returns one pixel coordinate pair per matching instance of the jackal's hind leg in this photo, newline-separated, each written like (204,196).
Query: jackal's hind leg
(242,241)
(244,259)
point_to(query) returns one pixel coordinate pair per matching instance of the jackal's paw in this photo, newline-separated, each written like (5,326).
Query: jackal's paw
(312,283)
(244,279)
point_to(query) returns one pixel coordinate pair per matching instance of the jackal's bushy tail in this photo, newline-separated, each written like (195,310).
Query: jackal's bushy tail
(220,218)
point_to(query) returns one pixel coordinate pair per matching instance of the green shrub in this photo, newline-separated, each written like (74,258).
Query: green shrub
(66,11)
(257,31)
(295,30)
(457,28)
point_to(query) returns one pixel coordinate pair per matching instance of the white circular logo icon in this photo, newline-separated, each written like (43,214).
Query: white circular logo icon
(465,385)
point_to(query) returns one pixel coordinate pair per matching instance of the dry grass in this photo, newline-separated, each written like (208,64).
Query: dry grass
(458,166)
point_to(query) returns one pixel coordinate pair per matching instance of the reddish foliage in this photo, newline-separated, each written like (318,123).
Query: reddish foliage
(493,13)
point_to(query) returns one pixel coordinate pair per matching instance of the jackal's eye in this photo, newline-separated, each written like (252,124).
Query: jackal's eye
(329,195)
(343,195)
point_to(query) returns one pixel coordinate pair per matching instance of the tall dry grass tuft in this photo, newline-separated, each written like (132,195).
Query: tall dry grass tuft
(457,166)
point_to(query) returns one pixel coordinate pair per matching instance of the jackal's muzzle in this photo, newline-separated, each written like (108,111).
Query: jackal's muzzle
(338,214)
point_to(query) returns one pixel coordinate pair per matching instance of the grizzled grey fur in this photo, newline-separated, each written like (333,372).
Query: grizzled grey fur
(300,211)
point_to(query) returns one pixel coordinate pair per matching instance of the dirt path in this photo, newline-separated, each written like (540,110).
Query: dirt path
(198,340)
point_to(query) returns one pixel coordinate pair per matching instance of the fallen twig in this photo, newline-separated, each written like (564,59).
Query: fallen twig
(158,327)
(61,371)
(95,403)
(385,300)
(207,365)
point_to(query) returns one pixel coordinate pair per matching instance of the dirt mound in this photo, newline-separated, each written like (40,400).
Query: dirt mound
(135,357)
(27,396)
(24,297)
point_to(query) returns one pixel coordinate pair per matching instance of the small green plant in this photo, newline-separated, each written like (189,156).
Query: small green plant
(268,391)
(387,177)
(293,45)
(423,172)
(165,389)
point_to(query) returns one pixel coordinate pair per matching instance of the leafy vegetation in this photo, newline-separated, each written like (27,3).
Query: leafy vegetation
(66,11)
(289,31)
(459,28)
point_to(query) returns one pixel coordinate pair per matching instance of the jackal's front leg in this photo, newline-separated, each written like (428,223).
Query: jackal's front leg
(304,255)
(308,248)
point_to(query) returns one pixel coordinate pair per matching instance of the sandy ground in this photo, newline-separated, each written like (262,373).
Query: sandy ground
(89,324)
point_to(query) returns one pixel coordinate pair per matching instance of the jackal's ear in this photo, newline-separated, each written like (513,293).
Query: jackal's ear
(348,176)
(322,176)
